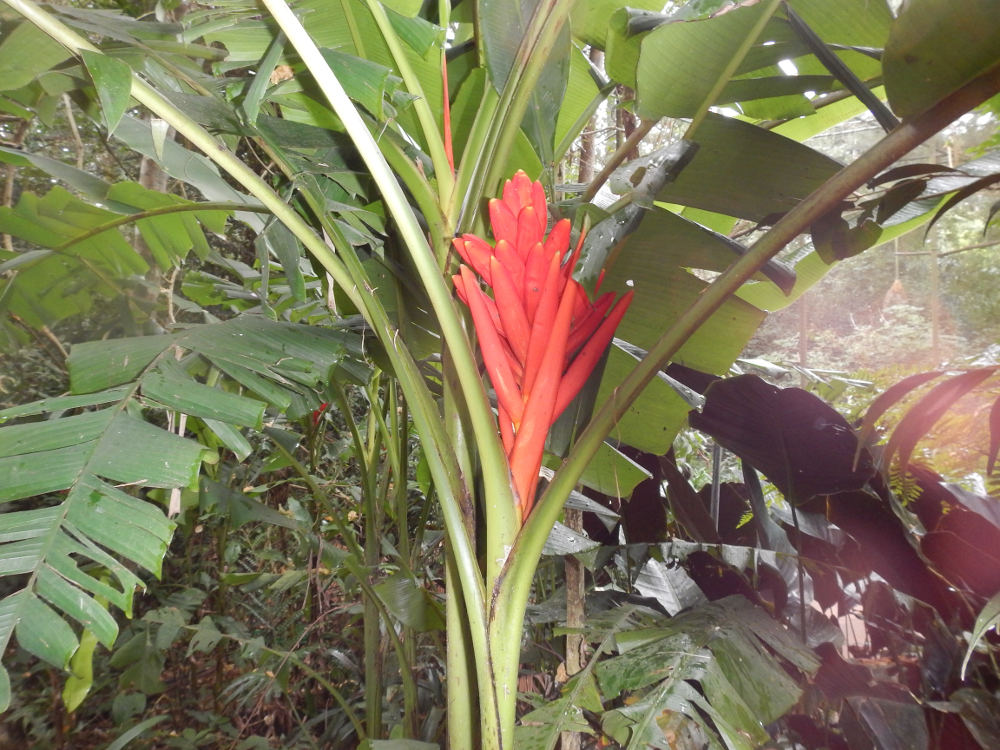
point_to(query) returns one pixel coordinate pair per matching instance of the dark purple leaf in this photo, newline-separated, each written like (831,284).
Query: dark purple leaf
(991,458)
(891,396)
(923,415)
(908,170)
(802,445)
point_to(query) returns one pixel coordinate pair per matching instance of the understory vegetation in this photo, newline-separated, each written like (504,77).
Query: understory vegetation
(262,475)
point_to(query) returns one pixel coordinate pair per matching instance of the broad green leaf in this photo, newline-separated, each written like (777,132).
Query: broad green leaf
(744,171)
(184,165)
(113,81)
(56,433)
(42,632)
(504,25)
(107,515)
(95,618)
(262,79)
(64,403)
(726,700)
(680,63)
(564,541)
(230,436)
(367,83)
(988,618)
(411,604)
(240,508)
(26,52)
(164,461)
(96,365)
(863,23)
(934,48)
(591,18)
(39,473)
(540,729)
(610,472)
(89,185)
(179,391)
(280,243)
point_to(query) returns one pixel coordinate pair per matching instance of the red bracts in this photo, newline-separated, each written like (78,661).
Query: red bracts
(540,334)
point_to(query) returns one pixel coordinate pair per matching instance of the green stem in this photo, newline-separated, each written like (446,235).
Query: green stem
(433,135)
(371,517)
(484,426)
(487,152)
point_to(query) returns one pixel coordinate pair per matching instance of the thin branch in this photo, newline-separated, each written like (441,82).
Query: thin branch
(617,158)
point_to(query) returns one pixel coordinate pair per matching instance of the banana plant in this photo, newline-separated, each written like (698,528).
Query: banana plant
(454,115)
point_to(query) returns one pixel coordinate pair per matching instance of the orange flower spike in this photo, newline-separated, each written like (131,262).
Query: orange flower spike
(528,232)
(558,238)
(491,346)
(586,326)
(536,271)
(529,442)
(476,253)
(519,192)
(512,262)
(503,221)
(506,429)
(516,328)
(540,203)
(541,326)
(459,283)
(584,362)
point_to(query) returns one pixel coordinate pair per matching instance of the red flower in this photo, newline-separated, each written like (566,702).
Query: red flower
(540,334)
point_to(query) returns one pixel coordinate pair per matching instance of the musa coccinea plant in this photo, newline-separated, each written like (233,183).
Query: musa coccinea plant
(443,160)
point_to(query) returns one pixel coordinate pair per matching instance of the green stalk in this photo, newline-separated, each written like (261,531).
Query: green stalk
(461,672)
(372,522)
(484,426)
(496,126)
(432,132)
(536,47)
(515,587)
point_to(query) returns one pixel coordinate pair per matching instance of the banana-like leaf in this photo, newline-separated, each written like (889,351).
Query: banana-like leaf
(934,48)
(87,255)
(76,550)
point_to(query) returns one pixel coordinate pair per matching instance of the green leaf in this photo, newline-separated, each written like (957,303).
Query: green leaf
(4,690)
(81,677)
(280,243)
(25,53)
(988,618)
(744,171)
(680,63)
(176,389)
(540,729)
(262,79)
(84,182)
(934,48)
(113,81)
(137,731)
(410,604)
(41,631)
(61,547)
(591,20)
